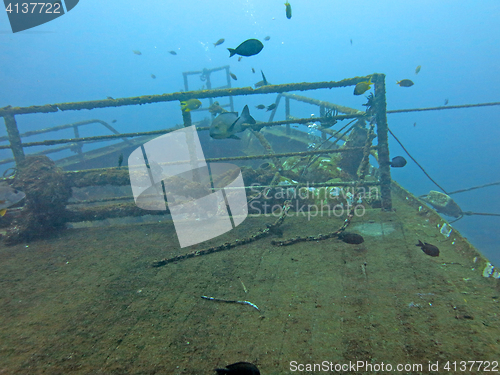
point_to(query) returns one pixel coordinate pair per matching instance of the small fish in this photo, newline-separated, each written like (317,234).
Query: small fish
(267,38)
(405,83)
(445,101)
(239,368)
(351,42)
(120,160)
(271,107)
(110,98)
(9,197)
(113,121)
(190,105)
(215,109)
(263,82)
(233,76)
(153,76)
(417,69)
(137,52)
(429,249)
(172,52)
(351,238)
(398,162)
(414,124)
(288,10)
(227,124)
(249,47)
(260,106)
(253,70)
(219,42)
(362,87)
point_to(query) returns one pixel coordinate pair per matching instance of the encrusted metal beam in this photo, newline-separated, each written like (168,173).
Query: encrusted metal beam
(180,96)
(164,131)
(321,103)
(14,138)
(383,141)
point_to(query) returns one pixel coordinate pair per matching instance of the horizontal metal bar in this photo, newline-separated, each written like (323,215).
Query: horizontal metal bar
(180,96)
(165,131)
(328,105)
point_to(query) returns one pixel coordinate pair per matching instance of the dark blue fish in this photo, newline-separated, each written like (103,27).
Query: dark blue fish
(249,47)
(239,368)
(398,162)
(429,249)
(351,238)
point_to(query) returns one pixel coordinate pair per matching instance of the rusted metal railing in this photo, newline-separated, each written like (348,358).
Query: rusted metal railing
(17,146)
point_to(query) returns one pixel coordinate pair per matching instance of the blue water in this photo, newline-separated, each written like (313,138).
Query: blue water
(87,55)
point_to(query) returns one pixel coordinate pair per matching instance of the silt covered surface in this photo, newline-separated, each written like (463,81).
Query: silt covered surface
(88,301)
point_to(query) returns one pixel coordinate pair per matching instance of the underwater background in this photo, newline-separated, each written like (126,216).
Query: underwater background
(87,54)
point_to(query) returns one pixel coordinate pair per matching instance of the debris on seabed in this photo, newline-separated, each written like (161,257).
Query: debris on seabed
(488,270)
(446,230)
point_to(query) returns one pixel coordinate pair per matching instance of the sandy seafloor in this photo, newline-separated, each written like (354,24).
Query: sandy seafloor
(88,301)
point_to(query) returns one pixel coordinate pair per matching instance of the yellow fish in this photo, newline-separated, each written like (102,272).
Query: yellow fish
(363,87)
(288,10)
(190,105)
(417,69)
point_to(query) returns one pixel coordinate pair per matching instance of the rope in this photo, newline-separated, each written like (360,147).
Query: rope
(469,213)
(423,170)
(474,187)
(440,108)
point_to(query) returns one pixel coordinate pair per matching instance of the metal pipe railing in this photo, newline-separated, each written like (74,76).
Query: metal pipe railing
(180,96)
(17,146)
(380,107)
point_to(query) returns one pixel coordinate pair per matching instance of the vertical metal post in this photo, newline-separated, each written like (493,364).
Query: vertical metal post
(287,114)
(186,85)
(277,102)
(78,146)
(383,141)
(228,77)
(186,117)
(322,113)
(208,83)
(14,138)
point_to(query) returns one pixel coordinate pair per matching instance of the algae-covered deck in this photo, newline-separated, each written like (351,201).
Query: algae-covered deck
(89,301)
